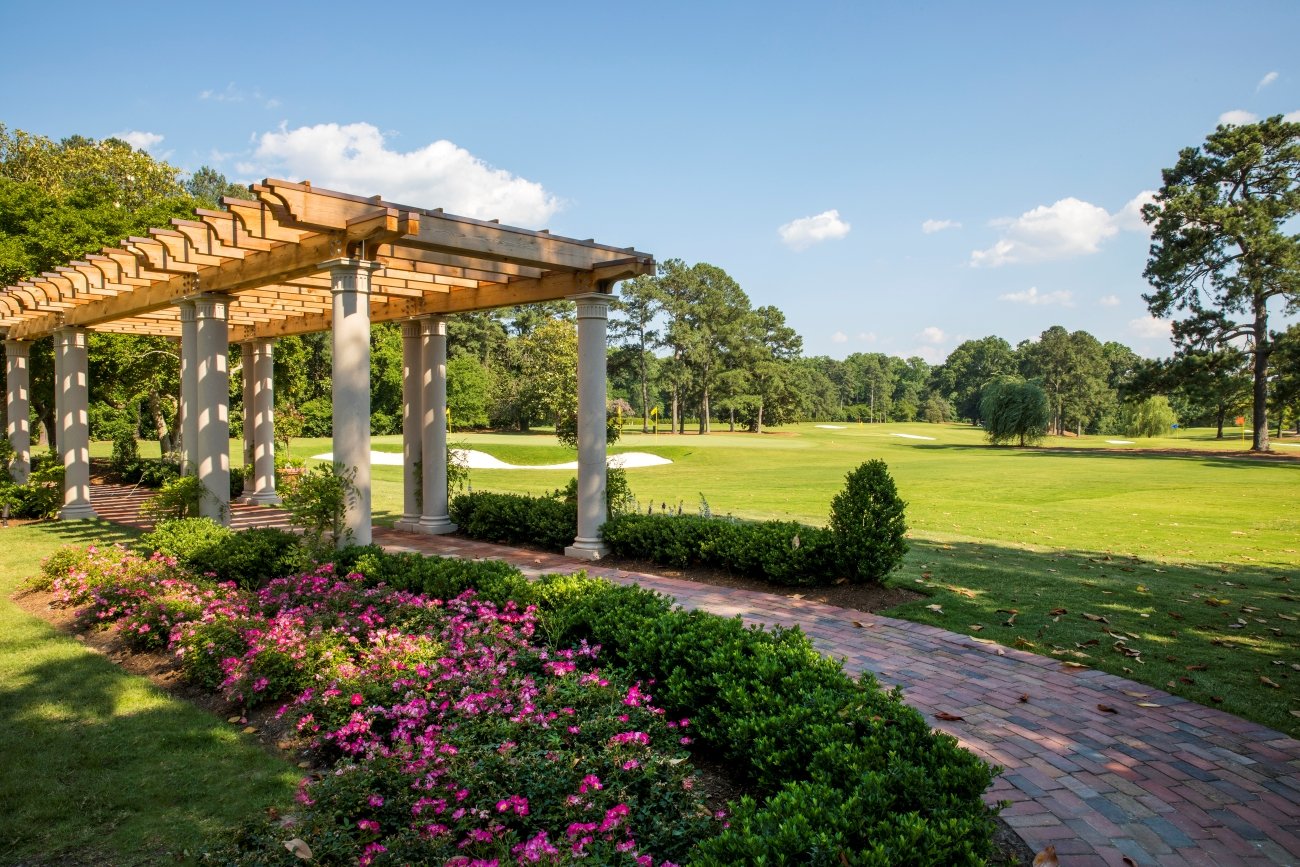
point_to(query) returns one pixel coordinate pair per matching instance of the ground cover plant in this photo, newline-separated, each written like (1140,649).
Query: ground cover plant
(100,766)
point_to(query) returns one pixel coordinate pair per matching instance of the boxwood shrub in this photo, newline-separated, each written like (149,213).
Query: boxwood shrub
(549,522)
(783,552)
(843,772)
(250,558)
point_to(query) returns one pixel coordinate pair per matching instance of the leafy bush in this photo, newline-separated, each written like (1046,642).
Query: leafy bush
(783,552)
(843,772)
(868,524)
(441,577)
(42,495)
(1013,409)
(178,498)
(154,473)
(249,558)
(183,538)
(125,459)
(318,503)
(549,522)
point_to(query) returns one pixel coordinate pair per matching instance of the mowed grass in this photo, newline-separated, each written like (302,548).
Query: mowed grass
(1191,553)
(100,766)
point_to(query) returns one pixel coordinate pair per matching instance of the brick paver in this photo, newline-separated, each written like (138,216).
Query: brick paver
(1179,784)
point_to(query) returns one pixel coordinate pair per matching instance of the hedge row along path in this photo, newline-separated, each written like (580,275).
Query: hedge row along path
(1101,767)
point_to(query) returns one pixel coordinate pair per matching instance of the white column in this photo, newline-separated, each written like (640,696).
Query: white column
(246,364)
(593,313)
(212,394)
(18,408)
(72,402)
(259,417)
(435,519)
(412,419)
(351,346)
(189,407)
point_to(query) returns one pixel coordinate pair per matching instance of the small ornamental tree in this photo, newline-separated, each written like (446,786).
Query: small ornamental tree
(1152,417)
(1013,409)
(868,524)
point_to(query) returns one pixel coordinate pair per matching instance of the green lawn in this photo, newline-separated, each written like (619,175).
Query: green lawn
(101,767)
(1197,555)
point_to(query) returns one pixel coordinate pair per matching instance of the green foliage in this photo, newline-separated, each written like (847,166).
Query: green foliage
(469,392)
(252,557)
(177,498)
(1222,241)
(441,577)
(833,761)
(868,524)
(549,522)
(317,503)
(42,495)
(1152,417)
(184,538)
(970,367)
(782,552)
(1072,369)
(1012,410)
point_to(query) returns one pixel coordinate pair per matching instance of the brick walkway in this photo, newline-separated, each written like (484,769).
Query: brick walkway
(1179,784)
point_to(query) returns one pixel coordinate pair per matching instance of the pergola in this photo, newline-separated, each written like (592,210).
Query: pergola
(301,259)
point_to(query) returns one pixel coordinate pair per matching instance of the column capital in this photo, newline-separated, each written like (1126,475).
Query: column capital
(592,305)
(186,306)
(210,306)
(17,348)
(433,326)
(344,273)
(410,329)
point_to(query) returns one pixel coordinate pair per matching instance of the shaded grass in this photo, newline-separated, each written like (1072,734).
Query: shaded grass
(100,766)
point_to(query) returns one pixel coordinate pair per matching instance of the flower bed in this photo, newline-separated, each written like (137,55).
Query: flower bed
(459,737)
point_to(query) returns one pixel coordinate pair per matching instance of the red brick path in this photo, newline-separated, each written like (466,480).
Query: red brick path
(1180,784)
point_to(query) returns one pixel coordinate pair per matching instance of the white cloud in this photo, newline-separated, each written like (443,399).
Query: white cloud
(232,93)
(1148,327)
(1109,301)
(1266,81)
(1292,117)
(932,334)
(839,337)
(929,227)
(140,139)
(1129,217)
(1237,117)
(1033,297)
(802,233)
(866,337)
(354,158)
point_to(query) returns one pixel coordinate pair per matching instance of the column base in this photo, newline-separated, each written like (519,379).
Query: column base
(438,526)
(262,498)
(77,512)
(407,524)
(586,549)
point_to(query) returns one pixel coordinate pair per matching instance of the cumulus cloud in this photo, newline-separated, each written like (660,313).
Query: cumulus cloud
(1034,298)
(1109,301)
(932,334)
(866,337)
(140,139)
(839,337)
(1292,117)
(1070,227)
(1266,81)
(802,233)
(932,226)
(1237,117)
(1149,327)
(355,158)
(232,93)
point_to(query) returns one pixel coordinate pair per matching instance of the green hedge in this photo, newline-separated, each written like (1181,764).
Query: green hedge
(783,552)
(250,558)
(550,522)
(843,771)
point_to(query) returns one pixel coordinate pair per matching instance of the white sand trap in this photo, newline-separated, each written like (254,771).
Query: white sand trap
(911,436)
(830,426)
(1121,442)
(477,460)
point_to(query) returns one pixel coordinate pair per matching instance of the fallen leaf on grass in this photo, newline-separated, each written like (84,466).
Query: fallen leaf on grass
(234,719)
(1069,664)
(949,717)
(1010,621)
(1217,699)
(298,848)
(975,627)
(1095,618)
(1269,682)
(1022,643)
(1287,617)
(1046,858)
(1295,713)
(858,624)
(1105,708)
(248,730)
(1197,667)
(1091,642)
(937,609)
(1215,602)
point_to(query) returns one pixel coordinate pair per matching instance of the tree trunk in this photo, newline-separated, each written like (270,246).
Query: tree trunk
(1259,441)
(48,422)
(645,396)
(704,412)
(672,428)
(160,423)
(758,426)
(732,423)
(1223,411)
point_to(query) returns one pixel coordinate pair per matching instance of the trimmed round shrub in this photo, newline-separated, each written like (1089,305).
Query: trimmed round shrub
(868,524)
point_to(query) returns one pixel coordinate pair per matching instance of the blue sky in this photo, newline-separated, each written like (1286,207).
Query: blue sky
(895,177)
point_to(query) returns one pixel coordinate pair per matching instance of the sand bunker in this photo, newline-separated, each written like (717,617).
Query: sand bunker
(1121,442)
(911,436)
(830,426)
(477,460)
